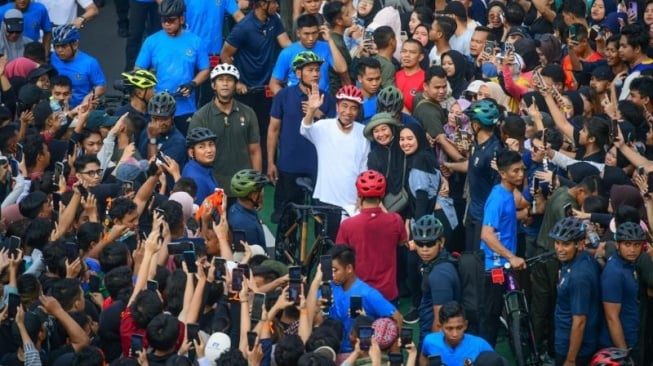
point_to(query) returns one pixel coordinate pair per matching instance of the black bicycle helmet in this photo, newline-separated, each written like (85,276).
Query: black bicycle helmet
(426,229)
(568,229)
(629,231)
(247,181)
(162,105)
(197,135)
(612,356)
(172,8)
(390,100)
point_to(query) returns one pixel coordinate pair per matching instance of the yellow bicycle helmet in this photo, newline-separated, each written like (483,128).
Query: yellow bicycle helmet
(141,79)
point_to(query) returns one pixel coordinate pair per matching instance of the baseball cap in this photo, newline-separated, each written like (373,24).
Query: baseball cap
(14,20)
(517,31)
(30,94)
(275,266)
(603,73)
(41,112)
(474,86)
(217,344)
(385,332)
(41,70)
(456,8)
(98,119)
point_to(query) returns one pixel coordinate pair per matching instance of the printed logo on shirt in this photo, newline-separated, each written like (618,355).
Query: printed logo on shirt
(189,52)
(413,92)
(242,121)
(78,77)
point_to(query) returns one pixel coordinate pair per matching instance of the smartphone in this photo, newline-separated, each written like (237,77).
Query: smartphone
(403,36)
(327,269)
(136,345)
(14,303)
(615,129)
(536,184)
(406,336)
(237,279)
(72,251)
(70,150)
(395,358)
(640,170)
(219,264)
(82,191)
(509,48)
(160,158)
(93,283)
(489,47)
(649,181)
(190,258)
(435,360)
(257,307)
(365,338)
(295,273)
(3,160)
(355,305)
(14,167)
(19,152)
(58,172)
(568,210)
(572,33)
(193,330)
(215,215)
(179,248)
(152,169)
(56,201)
(14,245)
(152,285)
(632,8)
(325,289)
(236,237)
(127,187)
(294,291)
(251,340)
(245,268)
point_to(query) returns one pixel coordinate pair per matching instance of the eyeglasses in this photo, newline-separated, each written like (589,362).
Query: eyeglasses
(428,244)
(93,173)
(169,19)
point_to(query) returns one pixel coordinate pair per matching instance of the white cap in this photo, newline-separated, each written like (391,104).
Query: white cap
(255,248)
(474,86)
(217,344)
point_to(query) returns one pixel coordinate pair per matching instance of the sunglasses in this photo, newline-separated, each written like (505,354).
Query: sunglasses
(14,32)
(169,19)
(428,244)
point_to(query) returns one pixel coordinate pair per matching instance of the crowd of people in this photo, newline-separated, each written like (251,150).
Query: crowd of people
(444,141)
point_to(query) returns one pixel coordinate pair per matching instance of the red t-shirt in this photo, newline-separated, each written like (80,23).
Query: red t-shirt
(375,235)
(410,85)
(128,327)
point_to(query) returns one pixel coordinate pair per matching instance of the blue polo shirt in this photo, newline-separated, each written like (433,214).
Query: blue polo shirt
(203,177)
(297,155)
(369,108)
(481,176)
(176,61)
(257,46)
(439,286)
(245,220)
(468,349)
(578,294)
(283,68)
(35,19)
(374,304)
(619,285)
(83,70)
(500,214)
(172,144)
(206,19)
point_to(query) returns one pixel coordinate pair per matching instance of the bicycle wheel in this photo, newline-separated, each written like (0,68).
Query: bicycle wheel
(286,247)
(515,335)
(522,341)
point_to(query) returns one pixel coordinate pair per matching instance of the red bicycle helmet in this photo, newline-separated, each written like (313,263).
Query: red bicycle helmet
(370,184)
(350,92)
(612,356)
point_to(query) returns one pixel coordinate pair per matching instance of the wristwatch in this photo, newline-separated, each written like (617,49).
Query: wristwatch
(152,141)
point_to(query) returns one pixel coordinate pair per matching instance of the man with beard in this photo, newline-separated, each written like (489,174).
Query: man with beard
(297,157)
(234,124)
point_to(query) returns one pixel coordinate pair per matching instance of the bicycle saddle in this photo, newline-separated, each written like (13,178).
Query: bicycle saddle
(305,183)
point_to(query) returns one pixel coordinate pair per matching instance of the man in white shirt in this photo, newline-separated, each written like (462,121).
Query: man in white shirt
(64,12)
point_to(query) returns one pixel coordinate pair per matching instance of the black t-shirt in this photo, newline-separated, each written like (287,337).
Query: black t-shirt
(7,343)
(109,330)
(11,359)
(158,360)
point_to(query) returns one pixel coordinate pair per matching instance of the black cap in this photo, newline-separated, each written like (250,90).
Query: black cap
(603,72)
(14,20)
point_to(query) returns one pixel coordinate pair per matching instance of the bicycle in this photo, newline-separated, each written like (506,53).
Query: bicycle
(516,314)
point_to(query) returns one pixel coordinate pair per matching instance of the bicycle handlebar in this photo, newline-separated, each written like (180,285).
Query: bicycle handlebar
(536,259)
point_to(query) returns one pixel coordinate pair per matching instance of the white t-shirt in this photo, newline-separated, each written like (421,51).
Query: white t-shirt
(341,157)
(63,11)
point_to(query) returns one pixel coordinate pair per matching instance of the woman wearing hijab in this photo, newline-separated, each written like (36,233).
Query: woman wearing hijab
(458,71)
(496,15)
(366,11)
(421,34)
(599,9)
(12,41)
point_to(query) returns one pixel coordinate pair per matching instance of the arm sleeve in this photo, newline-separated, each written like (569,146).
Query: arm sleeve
(202,62)
(563,161)
(97,76)
(282,67)
(253,134)
(492,206)
(32,357)
(12,197)
(512,88)
(144,58)
(232,7)
(377,306)
(611,287)
(45,21)
(106,151)
(266,344)
(580,298)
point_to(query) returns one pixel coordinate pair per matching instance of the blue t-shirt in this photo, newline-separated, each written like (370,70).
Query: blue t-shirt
(578,294)
(283,69)
(172,144)
(84,71)
(619,285)
(481,176)
(468,349)
(500,214)
(203,177)
(369,108)
(246,221)
(35,19)
(297,155)
(374,304)
(176,61)
(407,119)
(206,18)
(257,46)
(533,229)
(442,285)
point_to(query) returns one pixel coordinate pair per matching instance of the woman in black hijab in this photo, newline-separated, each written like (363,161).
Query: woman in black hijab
(458,71)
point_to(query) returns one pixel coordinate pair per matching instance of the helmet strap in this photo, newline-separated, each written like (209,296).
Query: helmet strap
(345,127)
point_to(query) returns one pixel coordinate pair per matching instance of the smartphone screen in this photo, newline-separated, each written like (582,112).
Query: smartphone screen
(160,158)
(179,248)
(237,279)
(72,251)
(152,285)
(58,172)
(19,152)
(489,47)
(572,33)
(632,7)
(236,237)
(615,129)
(190,258)
(365,337)
(193,331)
(568,210)
(251,340)
(295,273)
(215,215)
(127,187)
(325,289)
(94,283)
(257,306)
(640,170)
(406,336)
(294,290)
(327,270)
(219,264)
(14,303)
(395,358)
(536,184)
(355,305)
(649,181)
(136,344)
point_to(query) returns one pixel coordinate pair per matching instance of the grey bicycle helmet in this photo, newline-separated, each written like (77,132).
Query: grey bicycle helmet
(247,181)
(162,104)
(483,111)
(629,231)
(197,135)
(426,229)
(568,229)
(390,100)
(65,34)
(171,8)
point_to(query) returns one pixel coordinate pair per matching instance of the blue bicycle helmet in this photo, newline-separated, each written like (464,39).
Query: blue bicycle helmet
(426,229)
(483,111)
(629,231)
(568,229)
(65,34)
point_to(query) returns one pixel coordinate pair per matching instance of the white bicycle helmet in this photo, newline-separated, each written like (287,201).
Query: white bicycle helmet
(225,69)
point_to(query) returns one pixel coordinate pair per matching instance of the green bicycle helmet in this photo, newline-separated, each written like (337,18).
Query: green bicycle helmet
(629,231)
(390,100)
(197,135)
(426,229)
(162,105)
(247,181)
(142,79)
(568,229)
(305,58)
(483,111)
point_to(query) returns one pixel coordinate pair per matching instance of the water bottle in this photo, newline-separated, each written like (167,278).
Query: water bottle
(592,235)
